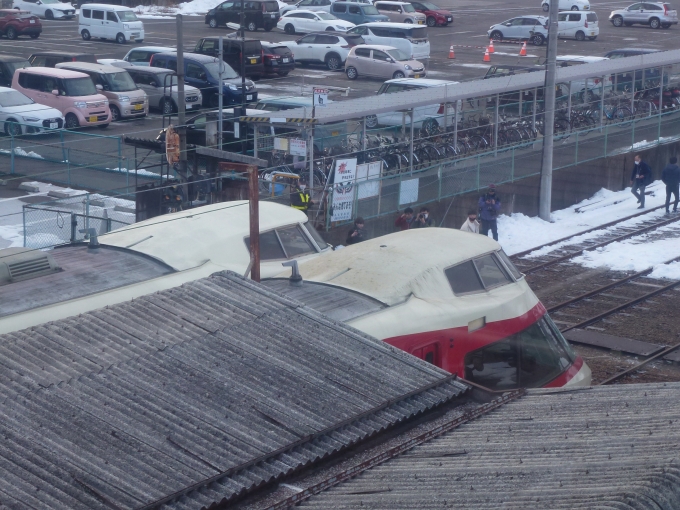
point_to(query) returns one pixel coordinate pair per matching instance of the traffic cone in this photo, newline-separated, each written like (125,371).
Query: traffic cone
(523,51)
(487,58)
(490,45)
(451,53)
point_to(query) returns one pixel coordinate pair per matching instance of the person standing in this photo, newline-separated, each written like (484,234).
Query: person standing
(423,219)
(489,205)
(356,235)
(404,220)
(471,224)
(639,178)
(300,199)
(671,178)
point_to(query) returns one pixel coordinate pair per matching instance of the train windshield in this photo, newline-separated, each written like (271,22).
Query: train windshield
(528,359)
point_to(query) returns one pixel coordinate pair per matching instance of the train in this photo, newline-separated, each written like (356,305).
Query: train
(452,298)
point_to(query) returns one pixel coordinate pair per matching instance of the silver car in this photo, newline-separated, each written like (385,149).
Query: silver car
(379,61)
(654,14)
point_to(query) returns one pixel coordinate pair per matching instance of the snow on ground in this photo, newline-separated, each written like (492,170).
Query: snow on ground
(192,8)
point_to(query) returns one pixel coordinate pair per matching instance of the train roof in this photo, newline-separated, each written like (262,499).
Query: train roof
(393,267)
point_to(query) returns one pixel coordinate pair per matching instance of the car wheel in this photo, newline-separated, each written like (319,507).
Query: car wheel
(140,41)
(168,106)
(212,23)
(537,40)
(268,28)
(371,121)
(283,74)
(580,36)
(431,22)
(398,74)
(654,23)
(35,36)
(409,21)
(546,7)
(351,73)
(12,128)
(592,38)
(289,29)
(617,21)
(497,35)
(71,121)
(251,26)
(49,14)
(11,33)
(120,38)
(86,35)
(115,113)
(574,7)
(333,62)
(330,29)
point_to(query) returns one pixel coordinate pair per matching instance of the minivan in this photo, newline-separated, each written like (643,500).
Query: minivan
(231,54)
(110,22)
(357,13)
(125,98)
(202,72)
(578,25)
(258,14)
(141,56)
(160,86)
(70,92)
(52,58)
(9,64)
(400,12)
(411,39)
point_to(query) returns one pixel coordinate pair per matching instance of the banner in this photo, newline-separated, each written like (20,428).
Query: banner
(298,147)
(343,189)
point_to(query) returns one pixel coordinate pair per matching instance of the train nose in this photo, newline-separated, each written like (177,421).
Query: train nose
(582,378)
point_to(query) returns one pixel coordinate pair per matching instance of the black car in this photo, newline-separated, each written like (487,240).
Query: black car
(9,64)
(278,59)
(624,81)
(232,51)
(52,58)
(257,13)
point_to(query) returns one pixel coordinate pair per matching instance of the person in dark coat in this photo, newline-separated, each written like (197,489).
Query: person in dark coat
(356,235)
(404,220)
(671,178)
(489,206)
(640,177)
(423,219)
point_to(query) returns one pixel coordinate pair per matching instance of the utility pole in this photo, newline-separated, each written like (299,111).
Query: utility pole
(242,127)
(181,120)
(545,198)
(220,98)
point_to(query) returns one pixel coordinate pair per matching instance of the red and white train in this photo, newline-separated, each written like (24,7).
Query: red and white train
(449,297)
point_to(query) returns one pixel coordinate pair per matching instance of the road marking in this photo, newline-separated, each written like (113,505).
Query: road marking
(481,35)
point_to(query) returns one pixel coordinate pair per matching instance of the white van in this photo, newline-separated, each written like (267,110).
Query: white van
(411,39)
(578,25)
(110,22)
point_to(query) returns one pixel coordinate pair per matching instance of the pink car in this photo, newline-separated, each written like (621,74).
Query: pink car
(70,92)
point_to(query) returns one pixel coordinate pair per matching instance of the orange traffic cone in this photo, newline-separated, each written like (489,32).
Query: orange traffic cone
(523,51)
(487,58)
(490,45)
(451,53)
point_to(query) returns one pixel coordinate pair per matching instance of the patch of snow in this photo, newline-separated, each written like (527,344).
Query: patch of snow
(21,152)
(192,8)
(144,173)
(667,271)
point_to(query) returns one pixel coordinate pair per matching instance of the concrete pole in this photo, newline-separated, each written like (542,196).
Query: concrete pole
(181,120)
(220,105)
(545,199)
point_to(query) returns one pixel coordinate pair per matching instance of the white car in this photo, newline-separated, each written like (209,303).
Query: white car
(522,28)
(578,87)
(568,5)
(49,9)
(327,48)
(578,25)
(309,5)
(19,114)
(309,21)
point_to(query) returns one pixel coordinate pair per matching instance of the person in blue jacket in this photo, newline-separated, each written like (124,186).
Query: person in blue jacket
(640,177)
(489,206)
(671,178)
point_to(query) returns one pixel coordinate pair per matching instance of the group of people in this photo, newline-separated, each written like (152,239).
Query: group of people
(641,177)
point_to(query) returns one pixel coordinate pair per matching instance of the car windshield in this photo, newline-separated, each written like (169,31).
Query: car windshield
(13,66)
(227,71)
(76,87)
(50,1)
(325,15)
(279,50)
(409,8)
(370,10)
(398,55)
(127,15)
(118,82)
(14,98)
(429,6)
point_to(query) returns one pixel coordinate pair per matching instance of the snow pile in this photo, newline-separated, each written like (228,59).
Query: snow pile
(13,234)
(21,152)
(144,173)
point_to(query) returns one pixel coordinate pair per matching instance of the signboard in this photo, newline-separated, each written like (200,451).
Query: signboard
(298,147)
(281,144)
(320,97)
(368,172)
(343,189)
(408,191)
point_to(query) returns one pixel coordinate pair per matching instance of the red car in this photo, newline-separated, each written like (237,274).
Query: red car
(435,15)
(14,23)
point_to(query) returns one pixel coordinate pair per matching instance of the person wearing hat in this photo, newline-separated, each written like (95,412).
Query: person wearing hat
(489,206)
(300,199)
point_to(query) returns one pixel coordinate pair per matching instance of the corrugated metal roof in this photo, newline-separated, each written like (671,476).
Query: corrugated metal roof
(218,386)
(612,447)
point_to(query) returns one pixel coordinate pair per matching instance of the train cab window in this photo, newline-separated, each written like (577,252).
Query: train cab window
(477,275)
(464,278)
(509,265)
(270,248)
(490,271)
(283,243)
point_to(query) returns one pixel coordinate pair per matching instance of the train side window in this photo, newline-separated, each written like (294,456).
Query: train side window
(508,263)
(464,278)
(429,353)
(491,272)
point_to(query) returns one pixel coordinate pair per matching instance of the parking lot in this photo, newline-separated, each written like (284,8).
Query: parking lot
(467,34)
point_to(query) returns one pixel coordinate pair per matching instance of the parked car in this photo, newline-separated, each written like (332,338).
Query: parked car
(357,13)
(522,28)
(585,90)
(578,25)
(278,59)
(19,114)
(48,9)
(141,56)
(70,92)
(9,64)
(160,86)
(568,5)
(400,12)
(323,48)
(654,14)
(202,72)
(410,39)
(309,21)
(110,22)
(384,62)
(624,81)
(14,23)
(435,15)
(258,14)
(52,58)
(309,5)
(232,51)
